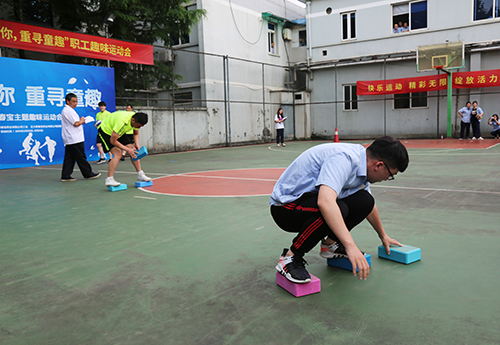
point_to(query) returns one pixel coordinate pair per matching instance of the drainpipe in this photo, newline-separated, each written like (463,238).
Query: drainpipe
(308,23)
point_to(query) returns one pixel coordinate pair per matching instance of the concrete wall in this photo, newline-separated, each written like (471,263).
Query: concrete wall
(196,128)
(376,114)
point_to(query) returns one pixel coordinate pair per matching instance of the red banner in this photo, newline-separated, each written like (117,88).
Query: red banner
(465,80)
(403,85)
(460,80)
(29,37)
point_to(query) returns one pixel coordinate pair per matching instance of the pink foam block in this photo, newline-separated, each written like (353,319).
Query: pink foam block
(299,290)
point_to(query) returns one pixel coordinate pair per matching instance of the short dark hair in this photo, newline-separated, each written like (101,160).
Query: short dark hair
(474,102)
(141,118)
(69,96)
(391,151)
(101,103)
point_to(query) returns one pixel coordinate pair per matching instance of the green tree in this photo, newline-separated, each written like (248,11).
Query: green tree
(141,21)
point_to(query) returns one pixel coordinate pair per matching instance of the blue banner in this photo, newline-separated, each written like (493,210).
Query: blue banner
(31,100)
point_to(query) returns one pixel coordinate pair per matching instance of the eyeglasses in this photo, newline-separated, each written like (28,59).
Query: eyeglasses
(391,176)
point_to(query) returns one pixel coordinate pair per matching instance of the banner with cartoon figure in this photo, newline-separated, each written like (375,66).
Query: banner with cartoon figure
(31,100)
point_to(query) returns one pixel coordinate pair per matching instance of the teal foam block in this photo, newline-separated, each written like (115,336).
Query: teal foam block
(143,152)
(143,183)
(346,263)
(405,254)
(123,186)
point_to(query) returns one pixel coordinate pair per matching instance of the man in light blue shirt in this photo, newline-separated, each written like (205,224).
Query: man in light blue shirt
(325,193)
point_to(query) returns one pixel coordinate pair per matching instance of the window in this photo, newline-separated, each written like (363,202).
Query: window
(413,14)
(348,26)
(350,98)
(184,98)
(486,9)
(410,100)
(271,38)
(182,39)
(302,38)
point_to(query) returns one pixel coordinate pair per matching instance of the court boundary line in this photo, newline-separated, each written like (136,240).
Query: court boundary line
(438,189)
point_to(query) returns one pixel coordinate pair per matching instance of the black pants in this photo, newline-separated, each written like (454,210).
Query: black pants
(303,216)
(280,135)
(75,153)
(476,128)
(464,129)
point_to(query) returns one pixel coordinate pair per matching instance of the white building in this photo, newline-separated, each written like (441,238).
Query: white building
(354,40)
(260,40)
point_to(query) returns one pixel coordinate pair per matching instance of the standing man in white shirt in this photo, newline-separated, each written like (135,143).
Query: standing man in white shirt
(73,137)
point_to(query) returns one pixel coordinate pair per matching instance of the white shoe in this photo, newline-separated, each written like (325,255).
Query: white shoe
(473,138)
(279,144)
(141,176)
(480,138)
(110,181)
(284,144)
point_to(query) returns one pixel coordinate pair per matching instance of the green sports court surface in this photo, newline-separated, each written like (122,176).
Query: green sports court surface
(194,264)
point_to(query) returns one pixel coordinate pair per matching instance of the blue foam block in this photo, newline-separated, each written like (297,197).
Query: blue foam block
(143,183)
(405,254)
(143,152)
(123,186)
(346,263)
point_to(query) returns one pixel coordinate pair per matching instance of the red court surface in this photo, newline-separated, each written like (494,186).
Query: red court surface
(219,183)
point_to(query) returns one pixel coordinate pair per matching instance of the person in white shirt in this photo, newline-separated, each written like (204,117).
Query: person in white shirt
(73,138)
(280,127)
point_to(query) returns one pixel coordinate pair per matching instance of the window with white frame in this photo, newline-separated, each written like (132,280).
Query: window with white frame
(348,25)
(486,9)
(179,40)
(409,16)
(350,98)
(410,100)
(271,38)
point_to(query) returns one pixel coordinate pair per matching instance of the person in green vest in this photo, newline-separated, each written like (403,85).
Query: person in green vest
(112,132)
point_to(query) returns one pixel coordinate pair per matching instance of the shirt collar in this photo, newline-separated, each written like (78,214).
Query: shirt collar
(362,169)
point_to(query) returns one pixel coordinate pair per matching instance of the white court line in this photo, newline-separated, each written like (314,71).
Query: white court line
(433,190)
(463,153)
(283,150)
(144,197)
(439,189)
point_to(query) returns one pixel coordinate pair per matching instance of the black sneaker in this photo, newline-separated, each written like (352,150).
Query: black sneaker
(93,176)
(293,268)
(68,179)
(101,160)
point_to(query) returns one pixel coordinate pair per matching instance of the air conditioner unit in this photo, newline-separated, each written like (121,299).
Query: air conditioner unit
(165,55)
(287,34)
